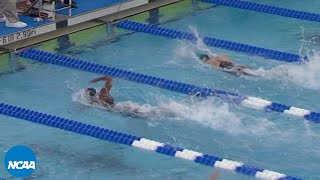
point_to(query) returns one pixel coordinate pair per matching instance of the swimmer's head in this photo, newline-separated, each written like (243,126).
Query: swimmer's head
(91,91)
(204,57)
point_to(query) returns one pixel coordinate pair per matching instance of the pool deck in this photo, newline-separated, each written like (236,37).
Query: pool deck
(88,14)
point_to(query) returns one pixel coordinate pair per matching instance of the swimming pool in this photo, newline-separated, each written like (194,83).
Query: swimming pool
(210,125)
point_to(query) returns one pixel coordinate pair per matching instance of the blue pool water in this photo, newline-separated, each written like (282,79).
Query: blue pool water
(267,140)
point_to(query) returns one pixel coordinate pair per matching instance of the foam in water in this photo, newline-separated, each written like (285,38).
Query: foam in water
(309,41)
(188,49)
(305,74)
(208,112)
(200,45)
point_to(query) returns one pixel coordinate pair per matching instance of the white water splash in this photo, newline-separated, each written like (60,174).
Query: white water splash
(207,112)
(200,45)
(185,50)
(191,50)
(310,41)
(306,74)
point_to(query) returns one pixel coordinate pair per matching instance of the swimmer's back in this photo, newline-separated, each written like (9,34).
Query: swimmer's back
(105,96)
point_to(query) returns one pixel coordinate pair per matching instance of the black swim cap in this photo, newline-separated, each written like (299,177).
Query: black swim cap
(204,57)
(91,91)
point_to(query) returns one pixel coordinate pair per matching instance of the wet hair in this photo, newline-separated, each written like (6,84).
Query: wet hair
(91,91)
(204,57)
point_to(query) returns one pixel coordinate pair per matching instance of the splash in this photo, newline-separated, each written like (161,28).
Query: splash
(304,74)
(310,40)
(207,112)
(200,44)
(192,50)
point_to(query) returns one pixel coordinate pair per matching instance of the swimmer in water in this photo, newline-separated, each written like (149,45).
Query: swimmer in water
(225,64)
(103,98)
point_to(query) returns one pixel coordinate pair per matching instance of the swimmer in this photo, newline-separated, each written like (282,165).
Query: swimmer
(225,64)
(103,98)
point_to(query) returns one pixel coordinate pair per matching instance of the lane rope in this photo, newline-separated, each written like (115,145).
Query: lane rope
(214,42)
(248,101)
(135,141)
(267,9)
(184,88)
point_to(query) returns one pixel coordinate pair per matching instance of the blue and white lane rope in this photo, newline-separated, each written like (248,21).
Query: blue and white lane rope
(122,138)
(267,9)
(160,31)
(179,87)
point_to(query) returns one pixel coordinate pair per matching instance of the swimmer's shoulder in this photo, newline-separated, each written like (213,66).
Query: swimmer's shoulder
(214,62)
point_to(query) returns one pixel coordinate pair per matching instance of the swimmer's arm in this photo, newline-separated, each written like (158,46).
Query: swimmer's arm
(108,84)
(103,78)
(108,80)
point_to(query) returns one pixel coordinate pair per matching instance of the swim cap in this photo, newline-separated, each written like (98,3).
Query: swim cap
(91,91)
(204,57)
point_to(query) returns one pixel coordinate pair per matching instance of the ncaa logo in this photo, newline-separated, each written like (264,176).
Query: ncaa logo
(20,161)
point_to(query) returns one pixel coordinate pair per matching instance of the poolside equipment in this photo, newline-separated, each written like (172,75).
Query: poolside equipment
(47,9)
(248,101)
(131,140)
(41,8)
